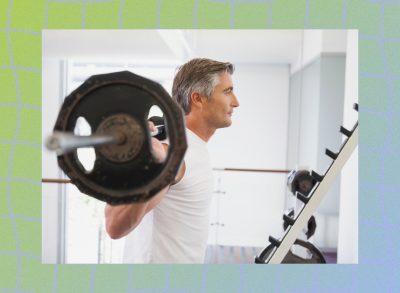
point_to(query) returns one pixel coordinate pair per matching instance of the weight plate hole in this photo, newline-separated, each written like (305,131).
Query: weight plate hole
(86,156)
(155,111)
(82,127)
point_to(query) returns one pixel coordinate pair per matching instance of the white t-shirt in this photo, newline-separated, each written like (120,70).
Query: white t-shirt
(180,221)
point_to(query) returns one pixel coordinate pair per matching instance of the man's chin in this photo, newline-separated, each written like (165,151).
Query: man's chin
(226,124)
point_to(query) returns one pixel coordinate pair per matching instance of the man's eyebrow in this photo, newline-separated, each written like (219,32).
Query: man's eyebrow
(228,89)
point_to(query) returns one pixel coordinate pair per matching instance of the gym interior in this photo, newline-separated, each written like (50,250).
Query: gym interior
(295,87)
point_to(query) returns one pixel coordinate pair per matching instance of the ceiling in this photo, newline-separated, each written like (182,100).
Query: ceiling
(236,46)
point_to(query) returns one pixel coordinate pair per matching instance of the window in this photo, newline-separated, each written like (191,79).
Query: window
(86,240)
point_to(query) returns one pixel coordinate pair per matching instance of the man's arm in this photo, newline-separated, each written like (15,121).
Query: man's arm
(122,219)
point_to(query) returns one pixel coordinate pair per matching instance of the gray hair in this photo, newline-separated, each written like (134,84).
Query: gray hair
(198,75)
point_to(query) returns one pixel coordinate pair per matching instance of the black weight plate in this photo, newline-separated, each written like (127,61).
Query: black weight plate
(122,93)
(301,181)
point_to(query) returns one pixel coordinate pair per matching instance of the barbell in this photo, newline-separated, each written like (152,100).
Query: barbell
(116,107)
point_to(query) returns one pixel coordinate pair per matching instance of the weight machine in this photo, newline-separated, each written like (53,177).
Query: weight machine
(278,249)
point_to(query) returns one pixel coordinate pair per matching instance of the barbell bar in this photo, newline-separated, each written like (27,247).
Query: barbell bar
(66,142)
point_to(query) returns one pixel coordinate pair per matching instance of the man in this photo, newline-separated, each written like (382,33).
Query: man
(204,89)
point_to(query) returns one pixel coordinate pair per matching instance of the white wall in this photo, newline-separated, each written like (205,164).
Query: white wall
(316,108)
(309,111)
(334,41)
(348,221)
(51,213)
(250,205)
(317,41)
(329,120)
(257,137)
(302,127)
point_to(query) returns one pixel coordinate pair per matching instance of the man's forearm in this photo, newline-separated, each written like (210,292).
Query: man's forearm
(122,219)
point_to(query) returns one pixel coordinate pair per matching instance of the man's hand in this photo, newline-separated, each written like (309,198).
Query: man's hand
(158,149)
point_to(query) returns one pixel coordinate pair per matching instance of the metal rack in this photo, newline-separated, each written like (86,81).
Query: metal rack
(278,248)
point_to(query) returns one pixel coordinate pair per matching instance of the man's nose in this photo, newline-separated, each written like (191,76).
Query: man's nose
(235,101)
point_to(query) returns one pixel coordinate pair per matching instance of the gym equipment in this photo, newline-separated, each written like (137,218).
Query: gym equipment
(116,106)
(288,219)
(300,181)
(279,248)
(292,258)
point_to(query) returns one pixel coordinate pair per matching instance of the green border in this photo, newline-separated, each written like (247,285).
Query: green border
(21,23)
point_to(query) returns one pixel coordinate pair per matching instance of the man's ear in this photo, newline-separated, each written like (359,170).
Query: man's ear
(196,100)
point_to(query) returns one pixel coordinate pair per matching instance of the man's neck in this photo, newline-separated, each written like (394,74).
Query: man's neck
(200,128)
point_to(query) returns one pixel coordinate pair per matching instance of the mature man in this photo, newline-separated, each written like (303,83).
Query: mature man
(204,89)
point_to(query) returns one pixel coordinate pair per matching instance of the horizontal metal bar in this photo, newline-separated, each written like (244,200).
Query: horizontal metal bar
(54,180)
(253,170)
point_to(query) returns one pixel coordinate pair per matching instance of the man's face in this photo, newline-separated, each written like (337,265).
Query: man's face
(218,109)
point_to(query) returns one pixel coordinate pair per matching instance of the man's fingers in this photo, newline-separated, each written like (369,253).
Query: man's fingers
(152,127)
(158,150)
